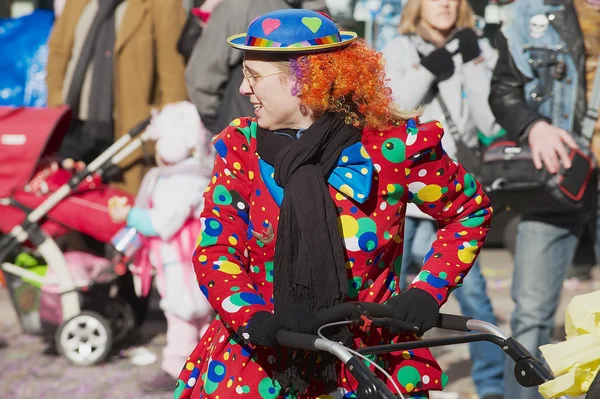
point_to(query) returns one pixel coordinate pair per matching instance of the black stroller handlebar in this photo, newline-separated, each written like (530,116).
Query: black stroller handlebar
(139,128)
(378,310)
(528,370)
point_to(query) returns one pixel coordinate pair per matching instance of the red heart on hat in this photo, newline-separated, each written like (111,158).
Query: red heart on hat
(269,25)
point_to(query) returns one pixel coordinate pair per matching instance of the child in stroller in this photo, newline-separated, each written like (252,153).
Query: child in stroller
(166,214)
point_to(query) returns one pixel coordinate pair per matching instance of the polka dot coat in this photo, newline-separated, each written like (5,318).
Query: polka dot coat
(234,258)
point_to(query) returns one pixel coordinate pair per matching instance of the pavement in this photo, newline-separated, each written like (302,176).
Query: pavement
(29,368)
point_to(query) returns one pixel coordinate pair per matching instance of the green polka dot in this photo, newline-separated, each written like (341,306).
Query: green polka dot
(475,220)
(209,386)
(423,274)
(395,193)
(353,286)
(254,269)
(398,265)
(231,250)
(269,271)
(408,377)
(387,235)
(443,275)
(366,225)
(245,389)
(267,390)
(444,380)
(247,132)
(221,196)
(392,286)
(234,289)
(470,185)
(179,389)
(207,241)
(394,150)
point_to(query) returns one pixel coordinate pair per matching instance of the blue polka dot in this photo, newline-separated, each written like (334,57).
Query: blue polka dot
(221,148)
(367,241)
(222,198)
(439,297)
(244,216)
(265,224)
(272,391)
(258,193)
(252,299)
(353,209)
(431,206)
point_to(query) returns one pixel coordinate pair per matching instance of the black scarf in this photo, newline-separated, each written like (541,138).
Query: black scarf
(98,48)
(309,265)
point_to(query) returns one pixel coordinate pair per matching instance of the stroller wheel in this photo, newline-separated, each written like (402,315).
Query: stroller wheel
(121,317)
(84,339)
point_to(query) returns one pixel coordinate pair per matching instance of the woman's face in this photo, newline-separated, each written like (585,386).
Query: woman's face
(270,91)
(440,15)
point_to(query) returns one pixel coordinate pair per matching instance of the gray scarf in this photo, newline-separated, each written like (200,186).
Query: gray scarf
(98,49)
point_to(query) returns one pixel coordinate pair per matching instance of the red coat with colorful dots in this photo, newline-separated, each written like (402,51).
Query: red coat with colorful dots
(371,186)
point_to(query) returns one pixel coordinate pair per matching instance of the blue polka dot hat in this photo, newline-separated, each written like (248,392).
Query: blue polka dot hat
(292,31)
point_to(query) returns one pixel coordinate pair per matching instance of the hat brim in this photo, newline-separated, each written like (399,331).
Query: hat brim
(239,42)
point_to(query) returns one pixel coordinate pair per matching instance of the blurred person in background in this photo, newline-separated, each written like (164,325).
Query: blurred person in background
(112,61)
(214,71)
(546,242)
(438,60)
(195,24)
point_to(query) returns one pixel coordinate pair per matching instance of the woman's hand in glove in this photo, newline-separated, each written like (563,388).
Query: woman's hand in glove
(468,44)
(417,307)
(439,62)
(263,326)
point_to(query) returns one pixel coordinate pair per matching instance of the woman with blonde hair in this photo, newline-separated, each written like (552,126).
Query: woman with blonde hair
(438,61)
(305,210)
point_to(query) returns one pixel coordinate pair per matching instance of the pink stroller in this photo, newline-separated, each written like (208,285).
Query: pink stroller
(85,302)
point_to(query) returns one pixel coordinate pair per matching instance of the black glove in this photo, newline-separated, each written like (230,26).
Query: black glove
(417,307)
(439,62)
(263,326)
(468,44)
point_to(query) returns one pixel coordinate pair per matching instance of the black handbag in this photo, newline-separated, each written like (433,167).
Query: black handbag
(509,175)
(507,172)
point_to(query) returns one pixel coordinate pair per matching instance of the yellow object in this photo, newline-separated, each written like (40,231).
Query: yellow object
(576,361)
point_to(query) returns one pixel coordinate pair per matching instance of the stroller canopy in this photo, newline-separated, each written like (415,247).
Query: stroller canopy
(26,136)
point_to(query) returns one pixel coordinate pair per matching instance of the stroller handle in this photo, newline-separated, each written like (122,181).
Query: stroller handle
(139,128)
(529,371)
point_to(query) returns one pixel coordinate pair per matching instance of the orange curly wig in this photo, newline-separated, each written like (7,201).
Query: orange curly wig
(350,81)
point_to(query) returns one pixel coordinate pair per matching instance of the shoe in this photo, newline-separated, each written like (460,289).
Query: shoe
(493,396)
(160,382)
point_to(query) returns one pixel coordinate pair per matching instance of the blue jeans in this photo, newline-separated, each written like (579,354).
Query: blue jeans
(545,249)
(488,359)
